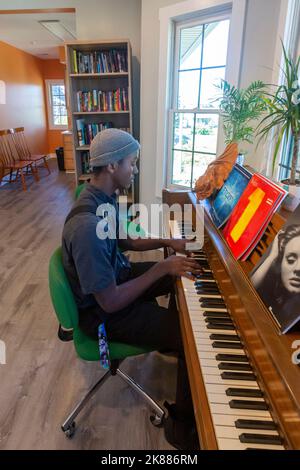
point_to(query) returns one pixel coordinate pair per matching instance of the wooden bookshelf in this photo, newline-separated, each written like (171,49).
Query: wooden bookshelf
(92,56)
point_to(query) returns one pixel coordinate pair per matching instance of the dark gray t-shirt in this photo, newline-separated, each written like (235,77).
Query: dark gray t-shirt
(91,263)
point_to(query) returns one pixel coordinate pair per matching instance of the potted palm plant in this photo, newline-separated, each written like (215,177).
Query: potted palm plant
(239,109)
(283,118)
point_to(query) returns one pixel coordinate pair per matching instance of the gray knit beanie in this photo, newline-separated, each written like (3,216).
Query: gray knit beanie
(111,145)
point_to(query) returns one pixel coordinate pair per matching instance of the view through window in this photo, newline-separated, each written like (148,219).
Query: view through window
(57,104)
(200,66)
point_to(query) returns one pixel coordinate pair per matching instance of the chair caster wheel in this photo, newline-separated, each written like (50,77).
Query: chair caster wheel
(157,421)
(70,431)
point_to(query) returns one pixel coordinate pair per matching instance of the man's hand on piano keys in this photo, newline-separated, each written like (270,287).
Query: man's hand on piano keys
(178,245)
(181,266)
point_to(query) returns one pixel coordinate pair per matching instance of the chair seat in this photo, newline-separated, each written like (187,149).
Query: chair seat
(88,348)
(18,164)
(33,158)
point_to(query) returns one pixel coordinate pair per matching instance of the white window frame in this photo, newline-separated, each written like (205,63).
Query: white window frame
(50,83)
(168,17)
(203,19)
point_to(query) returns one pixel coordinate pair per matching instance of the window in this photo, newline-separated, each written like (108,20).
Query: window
(199,66)
(56,102)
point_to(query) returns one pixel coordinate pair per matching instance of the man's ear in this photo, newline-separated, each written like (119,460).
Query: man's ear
(112,167)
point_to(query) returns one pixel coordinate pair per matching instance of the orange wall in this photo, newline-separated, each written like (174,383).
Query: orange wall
(25,101)
(53,69)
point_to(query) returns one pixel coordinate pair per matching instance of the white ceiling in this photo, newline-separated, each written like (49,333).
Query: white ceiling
(24,32)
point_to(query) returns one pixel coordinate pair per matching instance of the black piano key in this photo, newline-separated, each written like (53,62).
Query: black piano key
(226,345)
(200,283)
(211,303)
(238,376)
(203,292)
(216,315)
(234,366)
(205,275)
(207,287)
(255,424)
(226,321)
(220,326)
(244,392)
(219,323)
(246,438)
(220,337)
(206,305)
(231,357)
(248,405)
(218,301)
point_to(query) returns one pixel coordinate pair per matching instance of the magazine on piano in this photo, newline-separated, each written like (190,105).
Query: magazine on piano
(221,204)
(276,277)
(262,231)
(251,215)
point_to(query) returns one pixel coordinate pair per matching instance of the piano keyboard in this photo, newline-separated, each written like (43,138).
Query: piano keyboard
(239,411)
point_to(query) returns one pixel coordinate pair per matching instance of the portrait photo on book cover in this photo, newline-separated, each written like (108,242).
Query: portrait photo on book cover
(277,275)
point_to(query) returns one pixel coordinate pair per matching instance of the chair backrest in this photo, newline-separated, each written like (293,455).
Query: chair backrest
(79,190)
(8,152)
(61,293)
(17,136)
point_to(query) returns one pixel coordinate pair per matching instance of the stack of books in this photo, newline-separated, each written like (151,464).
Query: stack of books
(103,101)
(244,207)
(112,61)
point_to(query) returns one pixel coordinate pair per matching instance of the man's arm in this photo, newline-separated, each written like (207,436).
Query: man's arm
(114,297)
(152,244)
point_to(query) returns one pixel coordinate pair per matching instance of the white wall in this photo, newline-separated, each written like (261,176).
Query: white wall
(149,81)
(114,19)
(101,19)
(258,58)
(262,20)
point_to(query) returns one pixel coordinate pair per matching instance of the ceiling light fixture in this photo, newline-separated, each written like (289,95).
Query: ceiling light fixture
(58,29)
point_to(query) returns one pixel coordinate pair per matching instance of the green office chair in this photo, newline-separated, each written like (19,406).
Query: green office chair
(87,348)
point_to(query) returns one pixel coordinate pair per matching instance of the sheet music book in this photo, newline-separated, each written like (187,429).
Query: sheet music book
(221,204)
(276,277)
(280,199)
(251,215)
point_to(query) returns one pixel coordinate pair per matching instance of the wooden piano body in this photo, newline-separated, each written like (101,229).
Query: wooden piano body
(269,352)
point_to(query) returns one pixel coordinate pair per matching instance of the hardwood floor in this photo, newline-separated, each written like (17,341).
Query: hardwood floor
(43,378)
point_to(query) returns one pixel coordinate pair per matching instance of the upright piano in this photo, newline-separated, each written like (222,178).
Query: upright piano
(245,386)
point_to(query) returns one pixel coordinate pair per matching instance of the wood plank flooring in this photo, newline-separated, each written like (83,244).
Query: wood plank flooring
(43,378)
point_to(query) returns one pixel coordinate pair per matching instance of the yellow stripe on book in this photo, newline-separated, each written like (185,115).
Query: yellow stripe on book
(255,201)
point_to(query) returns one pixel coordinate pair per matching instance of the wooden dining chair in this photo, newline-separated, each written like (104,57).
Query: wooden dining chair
(10,162)
(19,140)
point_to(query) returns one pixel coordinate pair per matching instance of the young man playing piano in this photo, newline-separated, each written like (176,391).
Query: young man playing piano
(110,290)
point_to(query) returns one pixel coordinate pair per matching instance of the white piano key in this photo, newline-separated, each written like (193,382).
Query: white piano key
(225,399)
(208,347)
(229,420)
(217,408)
(221,389)
(228,432)
(235,444)
(214,379)
(207,333)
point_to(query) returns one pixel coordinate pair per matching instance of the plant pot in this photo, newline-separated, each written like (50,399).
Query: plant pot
(293,198)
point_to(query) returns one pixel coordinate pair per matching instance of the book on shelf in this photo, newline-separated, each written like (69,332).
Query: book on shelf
(85,162)
(110,61)
(221,204)
(251,215)
(276,276)
(102,101)
(87,131)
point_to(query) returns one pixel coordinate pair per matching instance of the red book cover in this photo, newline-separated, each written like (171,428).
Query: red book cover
(282,195)
(258,202)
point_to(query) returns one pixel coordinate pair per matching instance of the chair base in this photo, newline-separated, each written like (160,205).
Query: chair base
(68,426)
